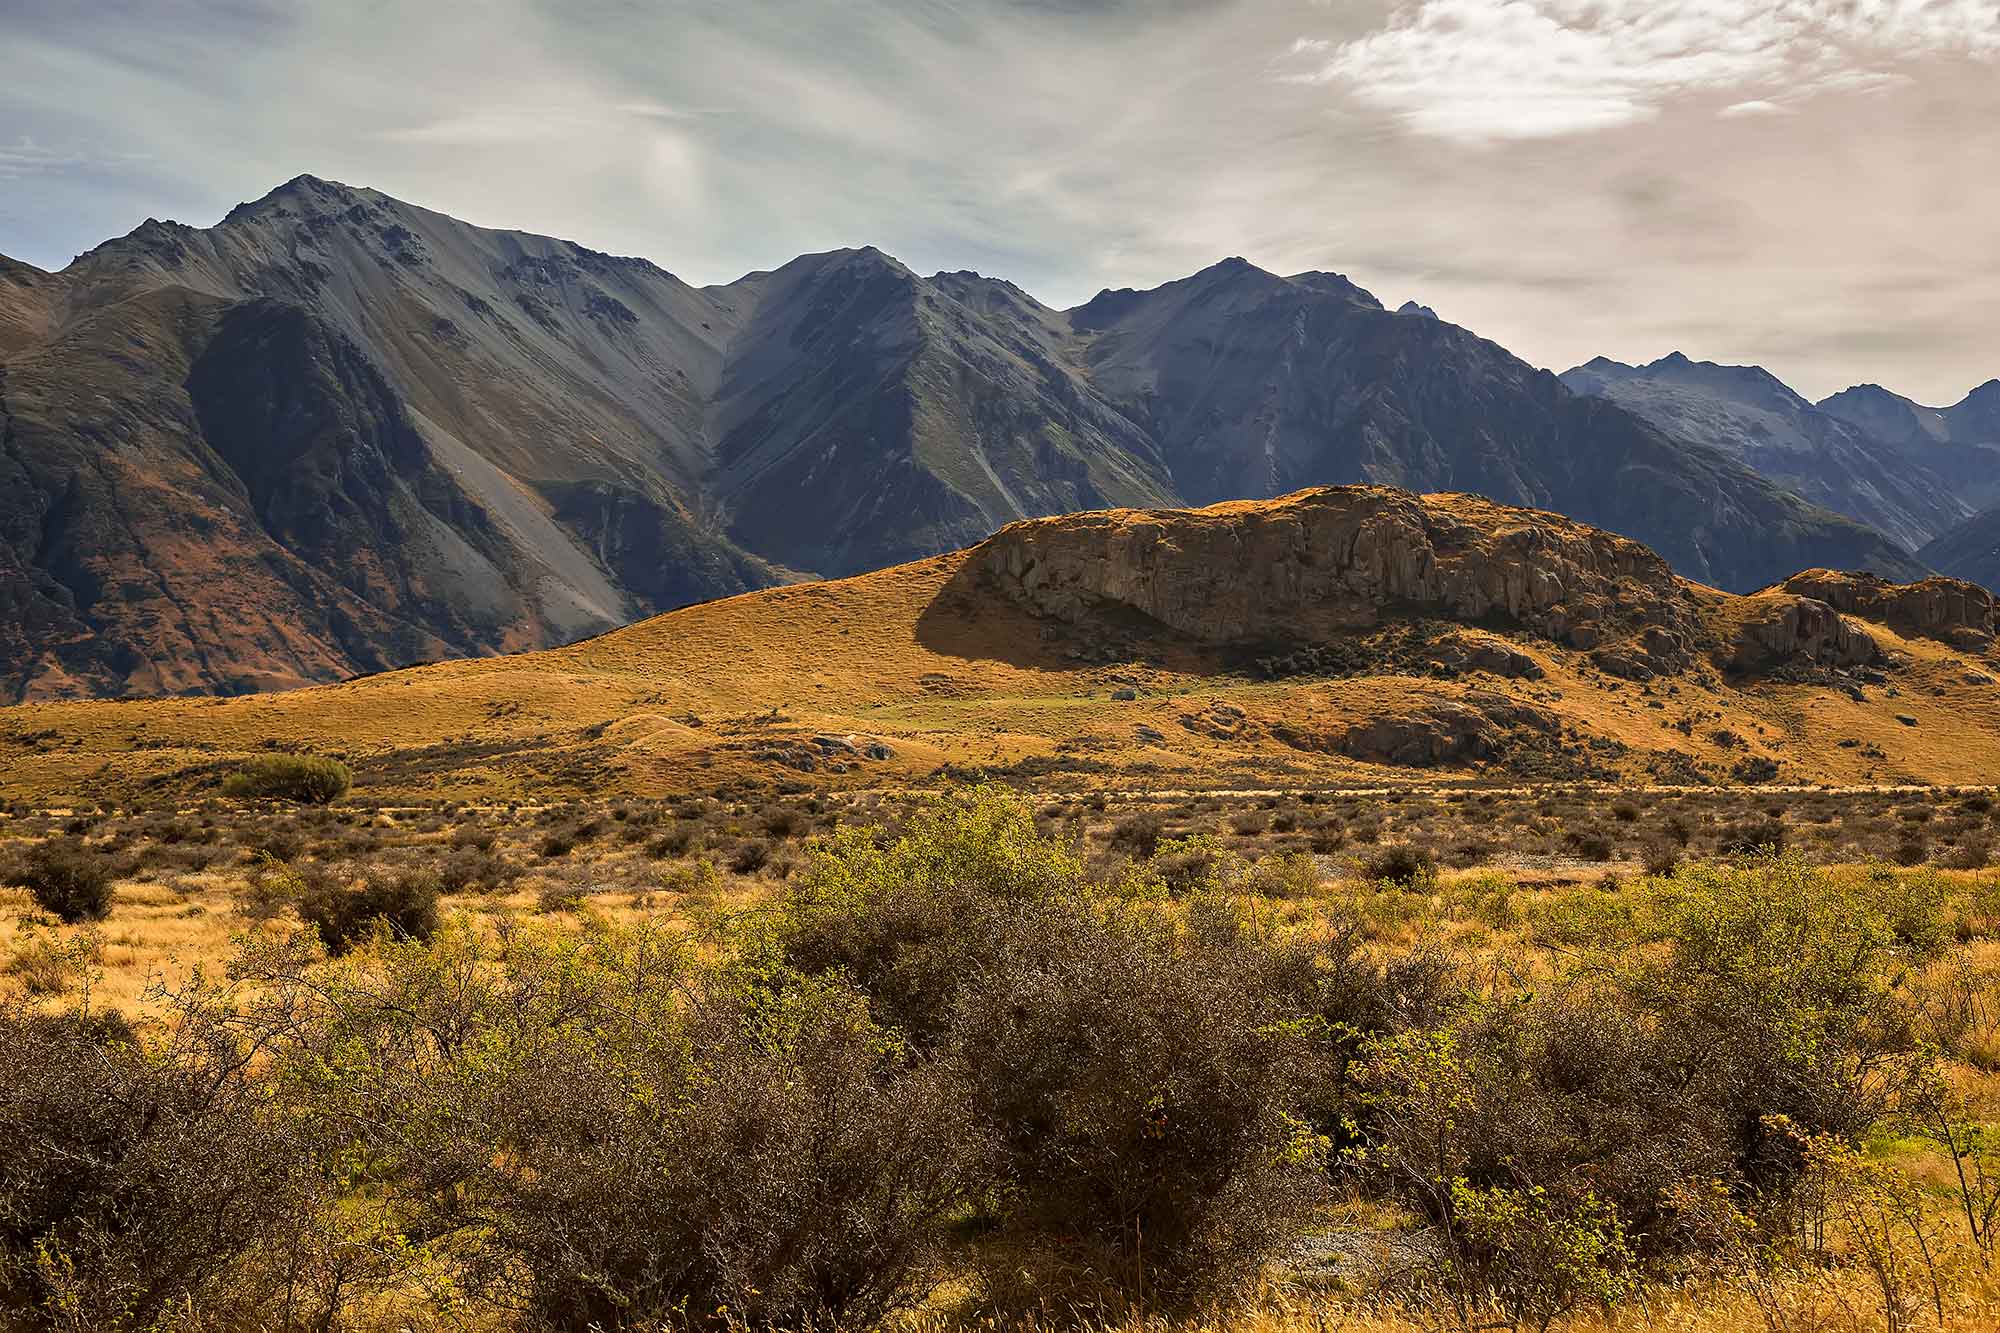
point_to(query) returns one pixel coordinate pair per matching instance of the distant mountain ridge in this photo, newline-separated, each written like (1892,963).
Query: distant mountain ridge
(1908,485)
(1969,551)
(1960,443)
(337,432)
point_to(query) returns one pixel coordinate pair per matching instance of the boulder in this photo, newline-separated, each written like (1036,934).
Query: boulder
(1440,731)
(1466,651)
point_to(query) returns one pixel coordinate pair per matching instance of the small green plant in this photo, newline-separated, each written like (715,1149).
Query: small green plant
(1197,864)
(1543,1257)
(1285,875)
(304,778)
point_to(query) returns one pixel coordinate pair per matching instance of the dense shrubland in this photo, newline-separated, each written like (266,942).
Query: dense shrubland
(955,1065)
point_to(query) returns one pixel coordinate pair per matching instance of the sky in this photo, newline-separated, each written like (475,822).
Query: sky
(1811,185)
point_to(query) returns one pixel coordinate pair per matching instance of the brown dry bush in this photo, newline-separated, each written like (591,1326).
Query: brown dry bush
(145,1182)
(66,880)
(594,1133)
(405,905)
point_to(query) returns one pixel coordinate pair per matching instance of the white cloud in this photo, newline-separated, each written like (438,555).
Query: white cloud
(1755,107)
(1522,69)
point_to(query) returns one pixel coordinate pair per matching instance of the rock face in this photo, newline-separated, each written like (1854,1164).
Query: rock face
(1322,568)
(1339,559)
(1469,651)
(1446,732)
(1948,610)
(1776,630)
(338,432)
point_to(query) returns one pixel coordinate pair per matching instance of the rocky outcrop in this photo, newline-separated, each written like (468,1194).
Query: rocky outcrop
(1948,610)
(1467,651)
(1441,731)
(1330,561)
(1313,577)
(1779,629)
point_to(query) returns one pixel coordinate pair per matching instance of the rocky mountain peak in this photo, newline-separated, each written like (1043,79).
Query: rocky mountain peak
(1752,385)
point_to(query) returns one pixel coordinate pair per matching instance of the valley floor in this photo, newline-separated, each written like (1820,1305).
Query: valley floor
(1508,900)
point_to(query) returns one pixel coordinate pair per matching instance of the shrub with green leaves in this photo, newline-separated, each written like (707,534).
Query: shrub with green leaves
(66,880)
(403,905)
(1161,1076)
(908,922)
(306,779)
(1729,1000)
(1543,1257)
(605,1135)
(1145,1077)
(1404,866)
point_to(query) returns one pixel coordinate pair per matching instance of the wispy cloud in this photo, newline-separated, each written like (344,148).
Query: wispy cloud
(1524,69)
(1076,144)
(25,158)
(1755,107)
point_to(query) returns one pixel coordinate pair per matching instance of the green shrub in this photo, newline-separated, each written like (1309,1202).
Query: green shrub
(1192,865)
(1661,856)
(1162,1079)
(306,779)
(1138,834)
(908,921)
(678,839)
(1146,1079)
(1763,995)
(624,1140)
(66,881)
(1588,844)
(1291,875)
(1541,1257)
(406,905)
(1765,837)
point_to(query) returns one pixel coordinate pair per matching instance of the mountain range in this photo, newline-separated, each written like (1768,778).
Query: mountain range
(1928,477)
(1345,636)
(337,433)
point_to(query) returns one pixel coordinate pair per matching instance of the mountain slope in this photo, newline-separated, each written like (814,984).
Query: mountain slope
(868,416)
(337,432)
(1960,443)
(1255,384)
(1969,551)
(1746,412)
(1352,635)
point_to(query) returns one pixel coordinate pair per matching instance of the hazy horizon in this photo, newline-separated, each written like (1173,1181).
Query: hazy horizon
(1795,185)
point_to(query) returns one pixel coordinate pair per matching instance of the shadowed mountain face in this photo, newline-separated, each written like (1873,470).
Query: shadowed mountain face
(1969,551)
(337,432)
(1959,443)
(1255,385)
(1745,411)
